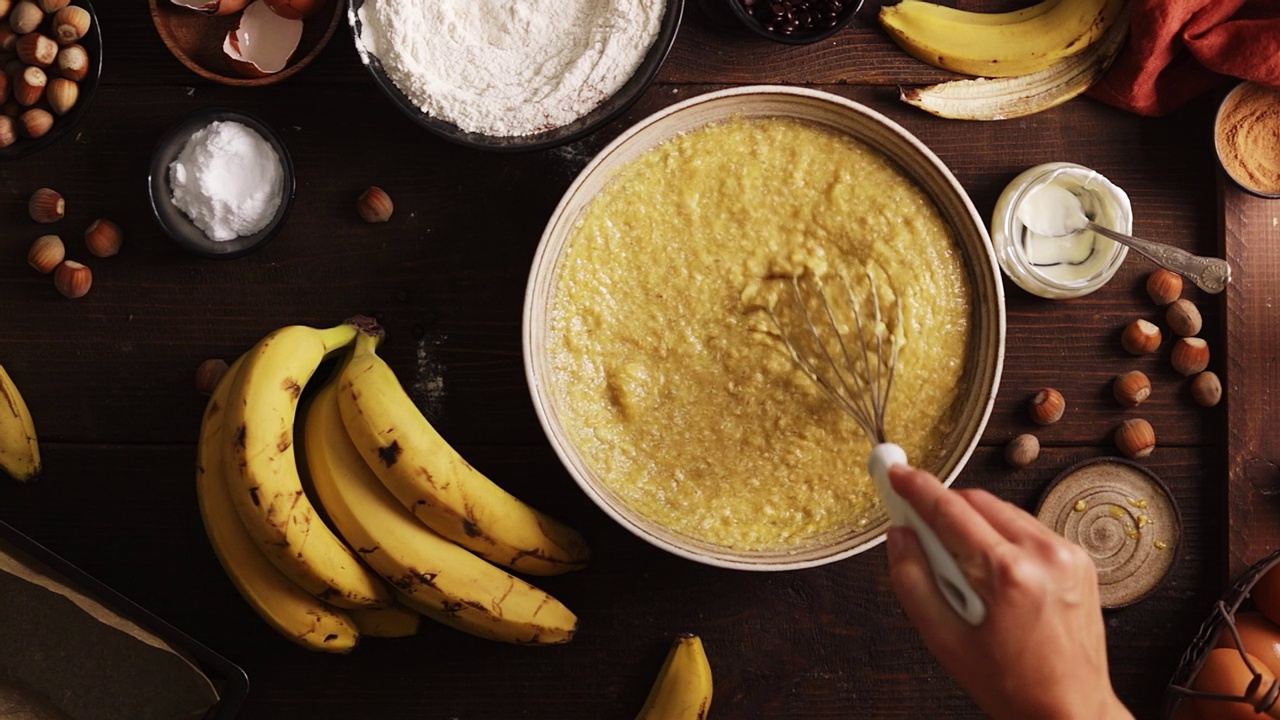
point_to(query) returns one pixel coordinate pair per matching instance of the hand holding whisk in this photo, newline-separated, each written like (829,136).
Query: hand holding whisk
(857,375)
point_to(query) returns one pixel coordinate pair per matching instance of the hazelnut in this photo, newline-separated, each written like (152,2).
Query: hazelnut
(208,373)
(374,205)
(36,49)
(8,131)
(1140,337)
(46,206)
(62,95)
(1206,389)
(1047,406)
(8,38)
(103,238)
(46,253)
(53,6)
(70,24)
(1183,317)
(1135,438)
(5,7)
(72,279)
(1164,286)
(29,86)
(1190,355)
(1131,388)
(25,17)
(1022,450)
(35,123)
(72,63)
(4,88)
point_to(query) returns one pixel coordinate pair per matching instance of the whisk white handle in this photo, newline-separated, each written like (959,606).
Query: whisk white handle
(951,581)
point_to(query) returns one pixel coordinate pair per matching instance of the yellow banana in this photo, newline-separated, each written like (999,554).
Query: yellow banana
(1005,98)
(392,621)
(431,479)
(434,576)
(286,607)
(683,688)
(262,471)
(1004,45)
(19,449)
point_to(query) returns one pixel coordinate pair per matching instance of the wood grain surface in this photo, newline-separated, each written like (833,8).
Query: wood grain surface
(109,379)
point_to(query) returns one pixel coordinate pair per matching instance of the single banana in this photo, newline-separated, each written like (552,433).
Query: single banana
(289,609)
(983,45)
(262,470)
(683,688)
(392,621)
(1005,98)
(433,575)
(431,479)
(19,449)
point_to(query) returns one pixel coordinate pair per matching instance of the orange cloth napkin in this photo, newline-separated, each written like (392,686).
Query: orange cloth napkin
(1179,49)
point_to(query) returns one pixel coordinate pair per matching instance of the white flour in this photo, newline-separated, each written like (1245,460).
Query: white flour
(509,67)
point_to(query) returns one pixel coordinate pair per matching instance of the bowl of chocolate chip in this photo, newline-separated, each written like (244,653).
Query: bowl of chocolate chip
(795,22)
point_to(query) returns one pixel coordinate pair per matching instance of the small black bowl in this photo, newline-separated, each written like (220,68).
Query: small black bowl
(62,126)
(844,15)
(175,223)
(604,113)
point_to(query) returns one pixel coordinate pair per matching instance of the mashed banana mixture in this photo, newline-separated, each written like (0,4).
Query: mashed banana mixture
(671,381)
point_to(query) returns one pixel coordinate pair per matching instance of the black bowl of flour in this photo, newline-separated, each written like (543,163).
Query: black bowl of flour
(602,114)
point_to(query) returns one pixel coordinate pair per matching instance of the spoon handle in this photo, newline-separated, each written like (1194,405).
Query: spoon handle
(1208,273)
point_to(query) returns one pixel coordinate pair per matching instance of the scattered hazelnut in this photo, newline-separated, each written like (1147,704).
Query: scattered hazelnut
(1131,388)
(208,373)
(1022,450)
(1140,337)
(1164,286)
(46,206)
(374,205)
(1047,406)
(72,63)
(36,49)
(103,238)
(25,17)
(72,279)
(1184,318)
(29,86)
(8,131)
(70,24)
(53,6)
(1190,355)
(62,95)
(46,253)
(1206,389)
(35,123)
(1135,438)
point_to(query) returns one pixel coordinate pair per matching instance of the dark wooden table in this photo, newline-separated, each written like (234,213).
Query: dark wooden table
(109,379)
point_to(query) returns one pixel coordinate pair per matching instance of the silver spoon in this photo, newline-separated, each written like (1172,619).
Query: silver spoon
(1062,215)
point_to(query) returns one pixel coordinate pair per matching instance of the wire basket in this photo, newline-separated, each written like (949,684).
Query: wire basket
(1221,618)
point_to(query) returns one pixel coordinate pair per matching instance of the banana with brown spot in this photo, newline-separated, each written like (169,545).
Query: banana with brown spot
(434,576)
(19,449)
(294,613)
(262,470)
(434,482)
(683,688)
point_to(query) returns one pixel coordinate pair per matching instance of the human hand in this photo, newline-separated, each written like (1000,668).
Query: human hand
(1041,652)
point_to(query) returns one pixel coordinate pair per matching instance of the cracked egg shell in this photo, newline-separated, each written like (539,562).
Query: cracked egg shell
(295,9)
(213,7)
(263,42)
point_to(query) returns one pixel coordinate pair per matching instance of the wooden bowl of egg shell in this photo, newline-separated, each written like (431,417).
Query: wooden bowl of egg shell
(983,355)
(205,36)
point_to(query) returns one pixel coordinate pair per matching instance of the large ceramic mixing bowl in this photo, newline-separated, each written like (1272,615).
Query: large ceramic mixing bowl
(984,355)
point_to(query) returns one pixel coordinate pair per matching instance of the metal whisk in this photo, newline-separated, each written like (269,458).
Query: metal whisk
(857,375)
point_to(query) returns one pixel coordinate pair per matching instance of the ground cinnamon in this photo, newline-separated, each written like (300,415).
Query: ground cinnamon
(1248,137)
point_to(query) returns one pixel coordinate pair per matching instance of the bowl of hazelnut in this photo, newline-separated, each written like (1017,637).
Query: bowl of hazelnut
(46,87)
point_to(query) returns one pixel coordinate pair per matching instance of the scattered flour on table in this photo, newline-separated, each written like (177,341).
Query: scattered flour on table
(509,67)
(228,180)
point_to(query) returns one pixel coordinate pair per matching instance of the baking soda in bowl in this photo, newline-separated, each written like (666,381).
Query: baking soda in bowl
(506,69)
(228,180)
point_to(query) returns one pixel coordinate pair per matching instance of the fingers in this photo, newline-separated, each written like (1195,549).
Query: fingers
(961,528)
(913,583)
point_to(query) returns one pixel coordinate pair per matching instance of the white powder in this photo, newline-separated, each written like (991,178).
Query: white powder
(509,67)
(228,180)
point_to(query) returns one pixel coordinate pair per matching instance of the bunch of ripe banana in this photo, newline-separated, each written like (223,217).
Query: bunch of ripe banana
(19,449)
(416,531)
(1026,60)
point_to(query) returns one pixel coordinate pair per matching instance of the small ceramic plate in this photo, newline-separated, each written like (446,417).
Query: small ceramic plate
(1124,517)
(174,222)
(62,126)
(196,40)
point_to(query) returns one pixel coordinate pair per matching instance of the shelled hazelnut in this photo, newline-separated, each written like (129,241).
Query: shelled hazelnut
(1183,318)
(8,131)
(46,253)
(1047,406)
(29,86)
(1135,438)
(374,205)
(1140,337)
(36,49)
(1131,388)
(53,6)
(1022,450)
(72,279)
(62,95)
(72,63)
(1190,355)
(103,238)
(35,123)
(1164,286)
(46,206)
(1206,389)
(25,17)
(70,24)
